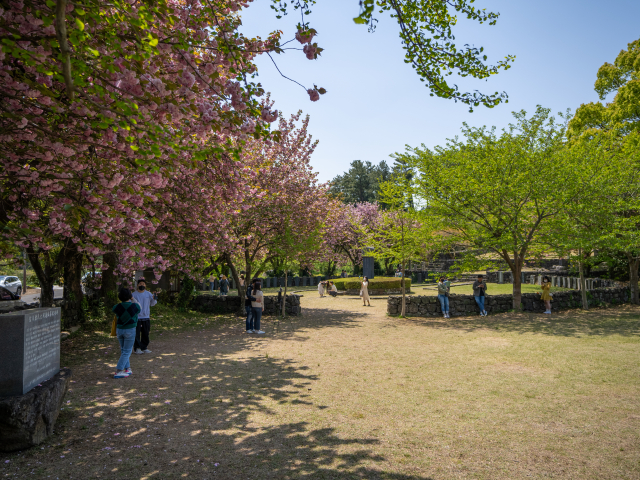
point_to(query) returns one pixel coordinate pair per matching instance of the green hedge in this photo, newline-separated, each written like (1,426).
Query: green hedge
(378,283)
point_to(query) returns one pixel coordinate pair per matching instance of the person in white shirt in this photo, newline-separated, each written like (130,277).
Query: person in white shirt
(321,289)
(257,307)
(333,290)
(146,299)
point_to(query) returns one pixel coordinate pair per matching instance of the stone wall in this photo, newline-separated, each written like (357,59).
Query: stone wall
(231,304)
(464,305)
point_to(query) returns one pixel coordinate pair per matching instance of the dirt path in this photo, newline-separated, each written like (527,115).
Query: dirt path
(347,392)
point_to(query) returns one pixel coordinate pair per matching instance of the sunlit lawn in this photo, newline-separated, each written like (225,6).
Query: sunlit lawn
(347,392)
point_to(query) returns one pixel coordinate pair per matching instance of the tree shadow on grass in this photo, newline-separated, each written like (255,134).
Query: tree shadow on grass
(624,321)
(198,404)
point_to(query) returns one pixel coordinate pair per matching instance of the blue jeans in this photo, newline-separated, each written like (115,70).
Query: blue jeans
(249,311)
(480,302)
(211,286)
(126,337)
(444,303)
(257,315)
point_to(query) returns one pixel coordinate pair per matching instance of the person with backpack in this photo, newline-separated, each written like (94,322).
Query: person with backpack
(126,320)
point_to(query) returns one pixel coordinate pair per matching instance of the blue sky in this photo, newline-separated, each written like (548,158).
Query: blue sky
(376,104)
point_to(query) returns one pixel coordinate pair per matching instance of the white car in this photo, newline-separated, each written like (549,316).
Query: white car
(13,284)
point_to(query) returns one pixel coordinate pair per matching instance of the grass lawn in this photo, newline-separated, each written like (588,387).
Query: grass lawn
(346,392)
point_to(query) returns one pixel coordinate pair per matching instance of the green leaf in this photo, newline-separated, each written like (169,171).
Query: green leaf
(79,24)
(133,147)
(153,42)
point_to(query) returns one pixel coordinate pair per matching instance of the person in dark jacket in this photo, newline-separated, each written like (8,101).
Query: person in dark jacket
(247,306)
(479,293)
(127,318)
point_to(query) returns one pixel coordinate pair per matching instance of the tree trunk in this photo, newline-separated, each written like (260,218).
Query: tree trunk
(109,283)
(634,263)
(45,278)
(236,278)
(72,311)
(516,271)
(404,300)
(284,298)
(583,283)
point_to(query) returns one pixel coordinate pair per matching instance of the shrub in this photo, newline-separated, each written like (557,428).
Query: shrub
(378,283)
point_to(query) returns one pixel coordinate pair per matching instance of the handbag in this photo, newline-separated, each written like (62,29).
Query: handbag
(114,326)
(360,292)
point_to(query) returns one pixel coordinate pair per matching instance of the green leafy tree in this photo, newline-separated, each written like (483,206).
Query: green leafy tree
(622,115)
(361,182)
(496,192)
(398,234)
(426,32)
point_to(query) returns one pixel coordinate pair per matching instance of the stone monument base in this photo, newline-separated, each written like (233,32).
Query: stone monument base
(27,420)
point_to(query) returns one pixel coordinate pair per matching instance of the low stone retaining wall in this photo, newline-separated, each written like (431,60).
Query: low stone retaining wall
(464,305)
(231,304)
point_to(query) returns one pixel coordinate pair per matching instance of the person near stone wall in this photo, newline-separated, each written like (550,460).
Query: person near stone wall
(224,285)
(443,296)
(127,318)
(545,295)
(364,291)
(479,293)
(212,281)
(248,308)
(257,307)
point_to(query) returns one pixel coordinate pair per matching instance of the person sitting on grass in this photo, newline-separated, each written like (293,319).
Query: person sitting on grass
(479,290)
(545,295)
(127,318)
(333,290)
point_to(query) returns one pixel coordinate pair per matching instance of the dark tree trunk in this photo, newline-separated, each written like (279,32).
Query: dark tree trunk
(72,311)
(236,278)
(109,284)
(45,278)
(284,298)
(404,296)
(583,284)
(516,272)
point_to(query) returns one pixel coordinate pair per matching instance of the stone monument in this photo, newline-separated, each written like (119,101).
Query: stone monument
(32,385)
(367,264)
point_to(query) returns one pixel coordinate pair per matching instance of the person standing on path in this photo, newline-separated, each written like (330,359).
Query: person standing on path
(127,317)
(224,285)
(247,306)
(546,294)
(212,281)
(479,293)
(146,300)
(321,289)
(257,307)
(443,296)
(364,292)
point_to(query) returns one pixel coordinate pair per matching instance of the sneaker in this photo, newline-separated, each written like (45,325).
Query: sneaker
(485,313)
(249,331)
(129,371)
(146,351)
(121,374)
(138,351)
(548,312)
(260,332)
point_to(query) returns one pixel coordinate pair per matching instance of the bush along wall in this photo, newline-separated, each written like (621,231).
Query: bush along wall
(464,305)
(231,304)
(378,283)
